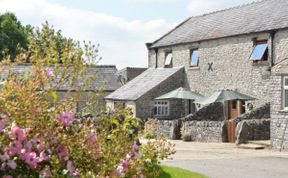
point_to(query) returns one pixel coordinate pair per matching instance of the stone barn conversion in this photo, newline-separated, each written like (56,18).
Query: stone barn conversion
(105,81)
(243,49)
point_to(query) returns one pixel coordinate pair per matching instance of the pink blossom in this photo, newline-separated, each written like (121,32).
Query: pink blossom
(28,145)
(31,159)
(14,147)
(128,156)
(62,152)
(12,164)
(66,118)
(135,147)
(123,166)
(4,157)
(18,132)
(50,72)
(3,124)
(7,176)
(91,138)
(43,156)
(120,169)
(70,167)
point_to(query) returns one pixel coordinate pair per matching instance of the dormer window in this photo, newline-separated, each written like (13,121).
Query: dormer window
(194,57)
(168,59)
(260,51)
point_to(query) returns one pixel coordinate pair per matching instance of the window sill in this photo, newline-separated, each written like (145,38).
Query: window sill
(194,68)
(260,63)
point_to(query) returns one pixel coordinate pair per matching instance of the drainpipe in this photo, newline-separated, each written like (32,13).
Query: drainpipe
(272,35)
(156,57)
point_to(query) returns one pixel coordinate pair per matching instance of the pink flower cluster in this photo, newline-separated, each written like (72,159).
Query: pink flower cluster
(50,72)
(32,152)
(66,118)
(124,163)
(23,148)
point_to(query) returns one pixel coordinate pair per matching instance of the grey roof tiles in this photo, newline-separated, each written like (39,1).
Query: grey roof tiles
(143,83)
(255,17)
(105,76)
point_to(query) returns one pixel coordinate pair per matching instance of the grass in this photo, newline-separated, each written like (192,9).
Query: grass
(174,172)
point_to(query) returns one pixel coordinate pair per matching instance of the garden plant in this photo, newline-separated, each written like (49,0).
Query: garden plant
(42,135)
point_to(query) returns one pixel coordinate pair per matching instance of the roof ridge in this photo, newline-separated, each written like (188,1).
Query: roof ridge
(186,33)
(205,14)
(230,8)
(183,22)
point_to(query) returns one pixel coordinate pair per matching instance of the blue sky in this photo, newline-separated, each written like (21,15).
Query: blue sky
(121,27)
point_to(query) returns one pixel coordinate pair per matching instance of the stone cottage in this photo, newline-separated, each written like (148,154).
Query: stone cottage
(244,48)
(105,77)
(139,93)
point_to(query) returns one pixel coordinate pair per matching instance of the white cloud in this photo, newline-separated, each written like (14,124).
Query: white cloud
(198,7)
(121,42)
(152,1)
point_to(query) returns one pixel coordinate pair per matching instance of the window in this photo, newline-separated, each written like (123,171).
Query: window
(260,51)
(234,104)
(161,108)
(194,58)
(285,93)
(168,59)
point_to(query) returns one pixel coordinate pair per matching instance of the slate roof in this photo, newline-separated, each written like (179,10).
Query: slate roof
(260,16)
(105,75)
(143,83)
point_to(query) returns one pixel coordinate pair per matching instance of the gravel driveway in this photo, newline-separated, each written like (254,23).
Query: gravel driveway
(225,160)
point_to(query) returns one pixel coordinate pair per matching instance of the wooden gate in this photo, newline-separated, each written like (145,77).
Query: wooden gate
(231,129)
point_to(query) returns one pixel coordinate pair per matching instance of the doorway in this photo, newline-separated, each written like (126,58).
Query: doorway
(235,108)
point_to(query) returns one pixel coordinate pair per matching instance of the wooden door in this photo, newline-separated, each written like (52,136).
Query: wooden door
(231,129)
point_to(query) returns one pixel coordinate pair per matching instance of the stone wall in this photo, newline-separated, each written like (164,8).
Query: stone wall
(262,112)
(255,129)
(169,128)
(206,131)
(212,112)
(253,125)
(206,125)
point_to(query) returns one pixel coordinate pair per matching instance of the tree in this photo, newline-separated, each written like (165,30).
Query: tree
(12,35)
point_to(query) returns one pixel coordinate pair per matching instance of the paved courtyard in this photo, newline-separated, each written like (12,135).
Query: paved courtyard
(225,160)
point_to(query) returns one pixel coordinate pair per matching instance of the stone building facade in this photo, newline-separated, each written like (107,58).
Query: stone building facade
(225,41)
(217,51)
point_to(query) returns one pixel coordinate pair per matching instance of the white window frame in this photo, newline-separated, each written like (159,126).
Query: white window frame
(192,51)
(264,42)
(163,108)
(168,60)
(285,88)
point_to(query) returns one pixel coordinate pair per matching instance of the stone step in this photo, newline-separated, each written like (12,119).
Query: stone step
(251,146)
(266,143)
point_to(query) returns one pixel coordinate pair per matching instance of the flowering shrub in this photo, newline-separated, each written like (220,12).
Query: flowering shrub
(42,136)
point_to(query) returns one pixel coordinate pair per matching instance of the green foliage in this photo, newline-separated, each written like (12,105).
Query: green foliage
(13,35)
(150,129)
(41,135)
(173,172)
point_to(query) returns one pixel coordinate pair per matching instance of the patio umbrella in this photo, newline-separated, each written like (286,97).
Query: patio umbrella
(224,95)
(181,93)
